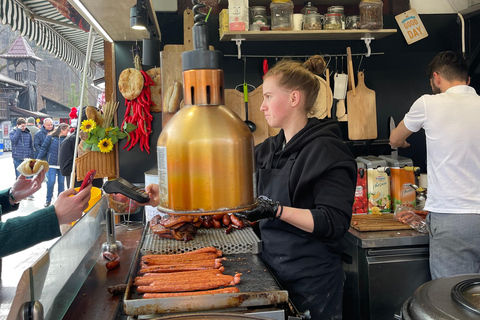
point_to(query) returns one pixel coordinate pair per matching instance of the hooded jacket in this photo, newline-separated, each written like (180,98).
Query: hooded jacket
(50,149)
(322,179)
(22,146)
(40,137)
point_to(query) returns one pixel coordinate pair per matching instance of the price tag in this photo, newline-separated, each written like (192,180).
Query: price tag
(411,26)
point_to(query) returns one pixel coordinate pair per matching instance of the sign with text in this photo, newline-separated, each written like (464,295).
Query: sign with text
(411,26)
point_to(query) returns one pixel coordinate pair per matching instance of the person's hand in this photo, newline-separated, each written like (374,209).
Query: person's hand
(154,193)
(266,209)
(23,187)
(70,204)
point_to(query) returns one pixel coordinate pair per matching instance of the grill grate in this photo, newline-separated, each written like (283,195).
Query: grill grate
(238,241)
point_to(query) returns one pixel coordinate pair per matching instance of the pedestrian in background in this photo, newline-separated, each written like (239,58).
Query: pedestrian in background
(33,129)
(50,150)
(22,145)
(41,135)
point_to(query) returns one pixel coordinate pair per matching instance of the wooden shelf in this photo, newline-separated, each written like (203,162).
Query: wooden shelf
(306,35)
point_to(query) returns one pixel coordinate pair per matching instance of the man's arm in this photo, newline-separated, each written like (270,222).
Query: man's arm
(399,135)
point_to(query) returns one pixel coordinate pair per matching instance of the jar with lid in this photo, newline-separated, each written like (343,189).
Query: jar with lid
(258,17)
(308,8)
(371,14)
(282,14)
(333,21)
(340,10)
(313,21)
(352,22)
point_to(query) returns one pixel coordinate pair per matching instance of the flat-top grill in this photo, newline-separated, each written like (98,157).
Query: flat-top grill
(258,287)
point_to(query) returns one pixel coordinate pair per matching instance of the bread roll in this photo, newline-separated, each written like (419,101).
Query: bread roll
(130,83)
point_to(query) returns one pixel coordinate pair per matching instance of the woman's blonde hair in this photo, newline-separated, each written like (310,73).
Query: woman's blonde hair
(295,75)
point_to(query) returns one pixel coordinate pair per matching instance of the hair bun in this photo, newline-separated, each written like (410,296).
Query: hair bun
(315,64)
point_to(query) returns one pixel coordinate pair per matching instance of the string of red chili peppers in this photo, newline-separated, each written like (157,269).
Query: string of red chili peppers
(138,113)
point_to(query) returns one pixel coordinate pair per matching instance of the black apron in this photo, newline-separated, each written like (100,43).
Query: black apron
(303,265)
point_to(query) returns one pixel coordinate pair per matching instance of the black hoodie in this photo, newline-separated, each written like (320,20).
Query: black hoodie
(322,179)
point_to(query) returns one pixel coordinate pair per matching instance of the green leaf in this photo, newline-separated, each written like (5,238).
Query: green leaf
(121,135)
(95,148)
(114,139)
(86,146)
(129,127)
(100,133)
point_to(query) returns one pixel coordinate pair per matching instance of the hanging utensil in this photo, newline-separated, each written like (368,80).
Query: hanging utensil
(252,126)
(340,90)
(392,126)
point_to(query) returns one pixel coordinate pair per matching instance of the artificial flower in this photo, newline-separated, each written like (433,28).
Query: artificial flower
(88,125)
(105,145)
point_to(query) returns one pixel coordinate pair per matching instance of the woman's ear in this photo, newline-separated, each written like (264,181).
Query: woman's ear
(295,98)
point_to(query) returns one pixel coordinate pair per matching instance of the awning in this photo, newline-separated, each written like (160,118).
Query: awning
(65,40)
(28,113)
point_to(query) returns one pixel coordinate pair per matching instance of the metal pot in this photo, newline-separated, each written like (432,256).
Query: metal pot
(456,297)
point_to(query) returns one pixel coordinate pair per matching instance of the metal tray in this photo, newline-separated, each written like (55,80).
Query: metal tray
(257,287)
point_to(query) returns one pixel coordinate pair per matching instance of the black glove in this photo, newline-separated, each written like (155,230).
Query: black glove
(266,209)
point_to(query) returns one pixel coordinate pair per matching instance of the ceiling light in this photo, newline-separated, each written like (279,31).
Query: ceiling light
(138,16)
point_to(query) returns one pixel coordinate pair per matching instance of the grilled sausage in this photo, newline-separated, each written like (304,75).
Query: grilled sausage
(196,293)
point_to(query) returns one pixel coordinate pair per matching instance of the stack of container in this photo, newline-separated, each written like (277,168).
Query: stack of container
(378,184)
(402,176)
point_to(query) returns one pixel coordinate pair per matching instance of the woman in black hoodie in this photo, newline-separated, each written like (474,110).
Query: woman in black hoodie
(306,177)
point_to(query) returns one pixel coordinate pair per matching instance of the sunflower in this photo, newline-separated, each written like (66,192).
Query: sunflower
(88,125)
(105,145)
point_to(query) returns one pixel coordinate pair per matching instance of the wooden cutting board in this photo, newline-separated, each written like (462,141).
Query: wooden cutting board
(374,222)
(362,112)
(235,102)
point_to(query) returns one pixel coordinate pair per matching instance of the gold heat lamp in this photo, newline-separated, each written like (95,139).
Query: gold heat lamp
(205,152)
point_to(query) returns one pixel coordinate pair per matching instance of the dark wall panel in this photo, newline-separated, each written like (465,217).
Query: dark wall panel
(398,77)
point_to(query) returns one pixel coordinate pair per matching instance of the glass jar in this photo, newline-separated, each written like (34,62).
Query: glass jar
(258,18)
(282,14)
(352,22)
(341,11)
(309,8)
(313,21)
(371,14)
(333,21)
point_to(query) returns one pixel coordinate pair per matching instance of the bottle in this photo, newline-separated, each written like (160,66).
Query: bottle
(371,14)
(308,8)
(282,14)
(340,10)
(352,22)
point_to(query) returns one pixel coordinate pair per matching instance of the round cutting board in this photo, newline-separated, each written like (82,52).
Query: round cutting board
(324,99)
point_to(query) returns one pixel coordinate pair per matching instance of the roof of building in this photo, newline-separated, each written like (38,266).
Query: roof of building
(4,80)
(20,49)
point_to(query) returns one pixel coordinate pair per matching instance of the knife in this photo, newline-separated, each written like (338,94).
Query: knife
(394,150)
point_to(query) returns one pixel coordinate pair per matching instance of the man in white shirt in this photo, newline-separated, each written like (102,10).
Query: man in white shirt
(450,118)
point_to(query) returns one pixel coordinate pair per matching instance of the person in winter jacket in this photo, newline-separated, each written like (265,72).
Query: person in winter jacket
(306,179)
(22,145)
(50,150)
(41,135)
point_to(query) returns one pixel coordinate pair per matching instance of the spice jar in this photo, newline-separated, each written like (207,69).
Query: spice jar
(313,21)
(352,22)
(282,14)
(333,21)
(341,11)
(258,18)
(371,14)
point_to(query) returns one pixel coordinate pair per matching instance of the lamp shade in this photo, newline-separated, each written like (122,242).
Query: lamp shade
(138,16)
(151,52)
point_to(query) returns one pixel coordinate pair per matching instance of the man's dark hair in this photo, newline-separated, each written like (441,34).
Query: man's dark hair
(21,121)
(450,65)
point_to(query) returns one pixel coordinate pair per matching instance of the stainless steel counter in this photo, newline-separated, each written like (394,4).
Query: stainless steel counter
(382,239)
